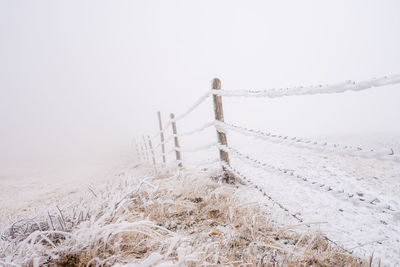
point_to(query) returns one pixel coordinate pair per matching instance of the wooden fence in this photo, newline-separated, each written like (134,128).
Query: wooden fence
(145,150)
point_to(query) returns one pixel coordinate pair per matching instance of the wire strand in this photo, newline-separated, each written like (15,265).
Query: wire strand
(371,202)
(194,106)
(322,147)
(196,149)
(200,129)
(340,87)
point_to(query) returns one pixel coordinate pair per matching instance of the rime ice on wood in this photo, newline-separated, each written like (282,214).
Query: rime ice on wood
(174,132)
(146,150)
(219,116)
(161,136)
(152,151)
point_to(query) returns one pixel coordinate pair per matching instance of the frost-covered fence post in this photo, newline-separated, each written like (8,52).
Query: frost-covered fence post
(161,136)
(142,152)
(137,150)
(174,132)
(146,149)
(152,151)
(219,116)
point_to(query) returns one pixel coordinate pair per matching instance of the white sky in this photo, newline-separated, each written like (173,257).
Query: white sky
(78,77)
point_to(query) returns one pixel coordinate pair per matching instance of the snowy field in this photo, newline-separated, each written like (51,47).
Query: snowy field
(353,222)
(176,218)
(354,202)
(356,199)
(29,187)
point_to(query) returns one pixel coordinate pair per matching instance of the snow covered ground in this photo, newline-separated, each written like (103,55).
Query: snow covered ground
(174,218)
(355,202)
(357,199)
(338,190)
(29,187)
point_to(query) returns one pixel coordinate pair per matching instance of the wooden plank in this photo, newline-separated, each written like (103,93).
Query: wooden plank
(137,150)
(222,140)
(146,149)
(175,133)
(152,151)
(161,136)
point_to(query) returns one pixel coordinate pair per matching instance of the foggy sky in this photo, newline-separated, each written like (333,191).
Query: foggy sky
(84,77)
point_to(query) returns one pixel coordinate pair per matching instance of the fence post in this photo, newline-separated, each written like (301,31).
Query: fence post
(137,150)
(146,149)
(161,136)
(174,132)
(152,152)
(143,152)
(219,116)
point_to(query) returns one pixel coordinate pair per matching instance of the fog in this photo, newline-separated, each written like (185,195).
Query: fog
(80,79)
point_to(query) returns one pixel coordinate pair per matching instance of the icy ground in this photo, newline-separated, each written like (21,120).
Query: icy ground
(354,222)
(28,187)
(175,218)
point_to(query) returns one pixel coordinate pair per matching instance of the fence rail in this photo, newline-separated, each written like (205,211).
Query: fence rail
(147,152)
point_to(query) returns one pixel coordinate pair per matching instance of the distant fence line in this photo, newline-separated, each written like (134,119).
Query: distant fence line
(146,150)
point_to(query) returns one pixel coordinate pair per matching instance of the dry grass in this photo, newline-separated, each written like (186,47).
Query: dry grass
(172,220)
